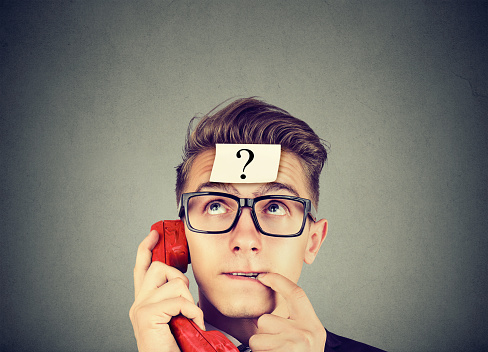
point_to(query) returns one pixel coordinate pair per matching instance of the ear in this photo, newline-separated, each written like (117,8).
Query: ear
(318,231)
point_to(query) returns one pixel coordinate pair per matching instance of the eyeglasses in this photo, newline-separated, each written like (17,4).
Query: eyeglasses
(273,215)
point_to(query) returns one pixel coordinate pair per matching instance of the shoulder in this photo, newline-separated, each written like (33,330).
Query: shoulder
(336,343)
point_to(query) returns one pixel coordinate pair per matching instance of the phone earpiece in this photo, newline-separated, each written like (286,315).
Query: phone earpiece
(172,247)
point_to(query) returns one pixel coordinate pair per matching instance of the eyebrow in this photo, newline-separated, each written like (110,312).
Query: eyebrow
(217,185)
(263,190)
(276,186)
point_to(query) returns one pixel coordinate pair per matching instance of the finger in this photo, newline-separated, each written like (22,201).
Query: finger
(173,288)
(143,259)
(180,305)
(300,340)
(162,312)
(297,302)
(265,342)
(273,324)
(158,275)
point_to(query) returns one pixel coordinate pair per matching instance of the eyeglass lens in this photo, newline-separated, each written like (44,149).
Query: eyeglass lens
(217,213)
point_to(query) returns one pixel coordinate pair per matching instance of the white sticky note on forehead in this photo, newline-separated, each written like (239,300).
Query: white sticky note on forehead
(246,163)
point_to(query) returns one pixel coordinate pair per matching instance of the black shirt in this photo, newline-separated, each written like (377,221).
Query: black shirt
(336,343)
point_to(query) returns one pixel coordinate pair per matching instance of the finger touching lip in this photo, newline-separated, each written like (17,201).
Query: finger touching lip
(243,274)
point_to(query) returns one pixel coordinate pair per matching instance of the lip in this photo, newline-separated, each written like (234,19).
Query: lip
(242,275)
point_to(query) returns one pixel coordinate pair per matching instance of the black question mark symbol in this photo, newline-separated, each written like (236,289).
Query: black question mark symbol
(251,157)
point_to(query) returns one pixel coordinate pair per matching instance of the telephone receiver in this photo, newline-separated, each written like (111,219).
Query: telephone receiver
(172,249)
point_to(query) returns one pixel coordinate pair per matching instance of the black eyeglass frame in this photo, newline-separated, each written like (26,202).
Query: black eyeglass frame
(309,210)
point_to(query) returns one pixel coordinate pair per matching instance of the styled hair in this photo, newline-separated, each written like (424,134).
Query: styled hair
(253,121)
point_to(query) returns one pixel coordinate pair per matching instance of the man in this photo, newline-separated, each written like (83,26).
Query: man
(247,241)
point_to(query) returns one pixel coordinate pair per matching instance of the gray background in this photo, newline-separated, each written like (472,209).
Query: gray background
(95,100)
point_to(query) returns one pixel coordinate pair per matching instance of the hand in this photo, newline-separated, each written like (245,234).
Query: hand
(302,331)
(161,292)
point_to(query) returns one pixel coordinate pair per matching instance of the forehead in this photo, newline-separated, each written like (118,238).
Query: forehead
(290,173)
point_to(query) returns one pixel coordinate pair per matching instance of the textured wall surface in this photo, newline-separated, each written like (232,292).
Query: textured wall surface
(95,100)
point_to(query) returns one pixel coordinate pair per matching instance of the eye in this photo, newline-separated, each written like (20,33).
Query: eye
(215,208)
(275,209)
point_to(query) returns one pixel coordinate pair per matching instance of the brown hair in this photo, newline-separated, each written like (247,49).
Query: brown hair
(253,121)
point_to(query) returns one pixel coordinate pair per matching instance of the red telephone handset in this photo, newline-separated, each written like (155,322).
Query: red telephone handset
(172,249)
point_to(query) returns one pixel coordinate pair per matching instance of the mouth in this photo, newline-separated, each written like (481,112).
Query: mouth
(243,275)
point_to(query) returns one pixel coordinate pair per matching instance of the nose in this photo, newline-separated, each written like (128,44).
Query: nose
(245,237)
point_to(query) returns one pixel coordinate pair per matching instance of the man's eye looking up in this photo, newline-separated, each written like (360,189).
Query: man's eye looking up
(275,209)
(215,208)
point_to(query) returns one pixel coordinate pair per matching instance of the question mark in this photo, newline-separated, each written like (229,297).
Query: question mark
(251,157)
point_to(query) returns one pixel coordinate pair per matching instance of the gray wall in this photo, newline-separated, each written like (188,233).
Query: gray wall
(95,101)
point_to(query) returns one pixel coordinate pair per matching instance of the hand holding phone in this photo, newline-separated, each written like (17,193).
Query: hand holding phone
(172,249)
(161,292)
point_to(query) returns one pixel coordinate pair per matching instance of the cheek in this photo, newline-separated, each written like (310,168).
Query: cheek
(288,257)
(203,255)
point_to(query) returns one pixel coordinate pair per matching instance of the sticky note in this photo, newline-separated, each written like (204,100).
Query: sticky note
(246,163)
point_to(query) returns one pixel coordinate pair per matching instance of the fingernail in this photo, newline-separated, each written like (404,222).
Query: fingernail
(261,275)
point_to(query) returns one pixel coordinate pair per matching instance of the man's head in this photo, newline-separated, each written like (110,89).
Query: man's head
(252,121)
(221,262)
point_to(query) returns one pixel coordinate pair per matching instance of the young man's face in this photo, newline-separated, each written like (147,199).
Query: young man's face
(244,249)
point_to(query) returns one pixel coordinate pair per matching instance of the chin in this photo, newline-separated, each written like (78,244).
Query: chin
(245,311)
(243,306)
(246,307)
